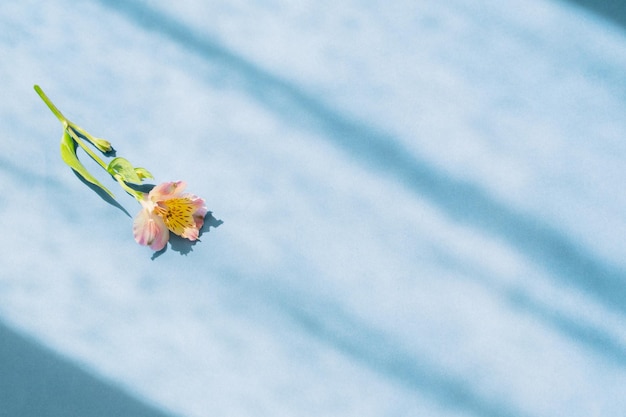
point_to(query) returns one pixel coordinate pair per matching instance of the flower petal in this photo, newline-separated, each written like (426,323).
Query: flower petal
(198,215)
(191,233)
(149,229)
(167,190)
(199,221)
(198,203)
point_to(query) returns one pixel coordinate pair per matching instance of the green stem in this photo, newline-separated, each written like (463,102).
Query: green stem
(51,106)
(84,133)
(137,194)
(71,129)
(91,153)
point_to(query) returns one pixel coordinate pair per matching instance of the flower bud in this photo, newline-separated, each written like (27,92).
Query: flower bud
(103,146)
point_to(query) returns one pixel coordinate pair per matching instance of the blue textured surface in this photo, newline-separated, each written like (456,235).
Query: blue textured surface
(422,206)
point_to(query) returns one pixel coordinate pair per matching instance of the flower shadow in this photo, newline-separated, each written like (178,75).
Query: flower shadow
(184,246)
(177,243)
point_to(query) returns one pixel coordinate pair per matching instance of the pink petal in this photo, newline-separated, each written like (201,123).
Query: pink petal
(200,213)
(191,233)
(167,190)
(199,221)
(198,204)
(149,229)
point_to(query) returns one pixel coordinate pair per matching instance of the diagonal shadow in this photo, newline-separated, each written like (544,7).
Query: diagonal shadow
(462,201)
(35,382)
(601,341)
(598,340)
(380,355)
(373,348)
(26,176)
(103,195)
(611,10)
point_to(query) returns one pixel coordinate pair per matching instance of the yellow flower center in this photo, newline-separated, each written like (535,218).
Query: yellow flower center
(177,214)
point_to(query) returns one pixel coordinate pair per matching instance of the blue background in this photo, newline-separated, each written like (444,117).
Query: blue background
(418,209)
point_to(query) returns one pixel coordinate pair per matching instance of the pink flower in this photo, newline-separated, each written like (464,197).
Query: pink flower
(165,209)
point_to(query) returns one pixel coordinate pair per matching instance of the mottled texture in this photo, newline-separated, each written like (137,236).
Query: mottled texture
(418,207)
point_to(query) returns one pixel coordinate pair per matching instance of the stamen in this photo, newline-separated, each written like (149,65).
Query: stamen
(177,214)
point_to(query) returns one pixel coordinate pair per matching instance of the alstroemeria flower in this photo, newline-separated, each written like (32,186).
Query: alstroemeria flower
(166,208)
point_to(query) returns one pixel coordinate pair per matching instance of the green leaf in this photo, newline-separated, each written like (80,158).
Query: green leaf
(143,173)
(68,154)
(124,169)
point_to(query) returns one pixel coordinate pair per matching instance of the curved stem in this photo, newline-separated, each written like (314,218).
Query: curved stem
(137,194)
(102,144)
(91,153)
(71,129)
